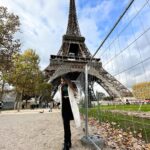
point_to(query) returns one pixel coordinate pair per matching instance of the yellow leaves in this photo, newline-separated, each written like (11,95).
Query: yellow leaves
(25,73)
(30,55)
(142,90)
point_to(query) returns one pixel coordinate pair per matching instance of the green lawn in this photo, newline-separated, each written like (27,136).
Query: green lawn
(144,108)
(128,123)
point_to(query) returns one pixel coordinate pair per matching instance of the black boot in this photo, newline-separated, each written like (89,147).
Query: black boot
(69,144)
(66,146)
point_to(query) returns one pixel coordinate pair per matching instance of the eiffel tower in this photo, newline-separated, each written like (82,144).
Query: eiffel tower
(72,58)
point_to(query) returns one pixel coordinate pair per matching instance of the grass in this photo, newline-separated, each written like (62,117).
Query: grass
(132,124)
(143,108)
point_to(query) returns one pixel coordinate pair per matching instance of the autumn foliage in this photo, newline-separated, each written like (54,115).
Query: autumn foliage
(142,90)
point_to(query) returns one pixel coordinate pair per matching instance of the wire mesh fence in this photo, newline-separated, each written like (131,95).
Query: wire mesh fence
(115,91)
(125,56)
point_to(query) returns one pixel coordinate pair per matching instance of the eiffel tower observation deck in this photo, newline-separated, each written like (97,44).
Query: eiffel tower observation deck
(74,55)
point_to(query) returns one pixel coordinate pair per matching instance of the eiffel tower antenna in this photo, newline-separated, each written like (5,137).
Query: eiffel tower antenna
(73,43)
(73,26)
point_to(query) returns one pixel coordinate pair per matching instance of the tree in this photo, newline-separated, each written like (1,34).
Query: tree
(9,25)
(25,75)
(141,90)
(100,95)
(45,91)
(108,98)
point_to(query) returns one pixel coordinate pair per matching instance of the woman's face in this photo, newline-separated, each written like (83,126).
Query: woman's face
(62,81)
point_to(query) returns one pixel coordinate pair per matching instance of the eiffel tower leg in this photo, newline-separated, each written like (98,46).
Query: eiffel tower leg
(91,95)
(123,91)
(104,82)
(109,83)
(106,88)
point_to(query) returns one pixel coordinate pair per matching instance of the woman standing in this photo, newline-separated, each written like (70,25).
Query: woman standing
(68,97)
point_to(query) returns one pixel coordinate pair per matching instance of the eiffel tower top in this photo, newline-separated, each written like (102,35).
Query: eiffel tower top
(73,43)
(73,26)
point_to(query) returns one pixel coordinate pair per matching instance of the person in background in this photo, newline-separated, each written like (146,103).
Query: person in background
(127,102)
(1,105)
(68,97)
(50,105)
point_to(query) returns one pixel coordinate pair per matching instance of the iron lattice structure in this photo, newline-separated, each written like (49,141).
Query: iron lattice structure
(74,55)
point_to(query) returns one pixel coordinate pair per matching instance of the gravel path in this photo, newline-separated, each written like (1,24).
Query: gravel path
(35,131)
(145,115)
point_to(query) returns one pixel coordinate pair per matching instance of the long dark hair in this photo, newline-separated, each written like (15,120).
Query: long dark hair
(71,84)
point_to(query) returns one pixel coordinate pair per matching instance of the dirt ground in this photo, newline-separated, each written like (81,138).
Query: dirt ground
(32,130)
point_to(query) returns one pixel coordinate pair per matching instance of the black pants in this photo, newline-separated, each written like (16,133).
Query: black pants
(67,131)
(67,116)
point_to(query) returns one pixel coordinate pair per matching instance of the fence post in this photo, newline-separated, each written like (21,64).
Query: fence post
(91,141)
(86,100)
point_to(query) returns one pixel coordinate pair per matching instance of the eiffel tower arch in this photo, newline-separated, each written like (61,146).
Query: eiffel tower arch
(74,55)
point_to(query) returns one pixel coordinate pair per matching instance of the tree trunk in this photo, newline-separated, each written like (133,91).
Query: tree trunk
(16,101)
(26,103)
(15,105)
(2,92)
(19,102)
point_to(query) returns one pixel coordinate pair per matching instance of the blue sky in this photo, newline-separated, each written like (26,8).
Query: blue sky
(44,22)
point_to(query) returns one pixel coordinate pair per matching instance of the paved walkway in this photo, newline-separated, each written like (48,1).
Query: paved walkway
(32,130)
